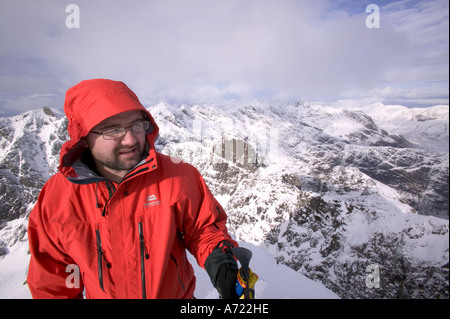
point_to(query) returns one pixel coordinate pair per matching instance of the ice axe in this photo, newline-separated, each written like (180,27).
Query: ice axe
(244,255)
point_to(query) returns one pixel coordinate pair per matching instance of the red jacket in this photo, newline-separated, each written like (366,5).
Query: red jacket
(127,240)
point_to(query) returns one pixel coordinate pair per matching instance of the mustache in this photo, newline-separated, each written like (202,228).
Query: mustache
(128,148)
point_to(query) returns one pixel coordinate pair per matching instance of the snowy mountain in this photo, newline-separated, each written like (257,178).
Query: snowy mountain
(318,192)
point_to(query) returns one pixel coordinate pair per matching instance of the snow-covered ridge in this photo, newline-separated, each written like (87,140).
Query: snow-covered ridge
(425,127)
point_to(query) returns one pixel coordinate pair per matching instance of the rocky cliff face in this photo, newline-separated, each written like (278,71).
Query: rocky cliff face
(333,194)
(29,152)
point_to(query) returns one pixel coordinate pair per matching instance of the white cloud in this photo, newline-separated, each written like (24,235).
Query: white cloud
(207,51)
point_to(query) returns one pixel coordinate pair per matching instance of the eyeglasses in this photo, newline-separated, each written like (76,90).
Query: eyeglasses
(119,132)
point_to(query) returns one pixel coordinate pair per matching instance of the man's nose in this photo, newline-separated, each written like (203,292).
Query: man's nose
(129,138)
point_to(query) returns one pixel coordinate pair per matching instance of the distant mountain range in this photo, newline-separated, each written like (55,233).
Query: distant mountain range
(335,194)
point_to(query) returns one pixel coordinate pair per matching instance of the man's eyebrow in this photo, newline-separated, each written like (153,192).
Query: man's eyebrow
(111,126)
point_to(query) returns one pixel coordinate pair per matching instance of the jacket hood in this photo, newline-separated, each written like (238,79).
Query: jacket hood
(89,103)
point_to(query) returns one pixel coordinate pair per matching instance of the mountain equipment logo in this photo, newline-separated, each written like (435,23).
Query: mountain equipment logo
(152,200)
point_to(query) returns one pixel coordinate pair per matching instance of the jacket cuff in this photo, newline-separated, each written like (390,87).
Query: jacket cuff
(216,258)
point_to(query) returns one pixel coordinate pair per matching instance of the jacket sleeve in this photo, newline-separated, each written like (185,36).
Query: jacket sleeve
(51,273)
(204,220)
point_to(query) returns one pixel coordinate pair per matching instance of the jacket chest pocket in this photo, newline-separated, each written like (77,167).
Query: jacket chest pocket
(89,247)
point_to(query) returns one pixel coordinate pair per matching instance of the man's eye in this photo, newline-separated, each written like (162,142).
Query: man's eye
(113,131)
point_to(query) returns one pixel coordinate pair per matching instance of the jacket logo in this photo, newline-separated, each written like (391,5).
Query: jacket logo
(152,200)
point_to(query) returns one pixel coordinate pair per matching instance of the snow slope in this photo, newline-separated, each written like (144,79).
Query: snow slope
(275,281)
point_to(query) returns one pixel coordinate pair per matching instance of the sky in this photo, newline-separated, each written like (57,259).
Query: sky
(221,51)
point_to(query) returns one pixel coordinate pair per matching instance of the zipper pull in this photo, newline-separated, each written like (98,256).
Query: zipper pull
(147,255)
(142,241)
(107,263)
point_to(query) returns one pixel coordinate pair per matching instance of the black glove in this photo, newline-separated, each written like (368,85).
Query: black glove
(226,282)
(222,270)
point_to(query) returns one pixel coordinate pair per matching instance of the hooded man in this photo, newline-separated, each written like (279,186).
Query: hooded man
(121,213)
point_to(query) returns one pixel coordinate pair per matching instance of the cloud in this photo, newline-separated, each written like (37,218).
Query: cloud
(202,51)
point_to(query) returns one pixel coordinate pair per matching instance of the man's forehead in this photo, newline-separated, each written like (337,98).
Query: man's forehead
(121,118)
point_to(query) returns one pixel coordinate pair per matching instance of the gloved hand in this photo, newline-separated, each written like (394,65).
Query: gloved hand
(226,282)
(222,268)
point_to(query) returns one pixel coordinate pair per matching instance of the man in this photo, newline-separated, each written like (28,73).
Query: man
(122,213)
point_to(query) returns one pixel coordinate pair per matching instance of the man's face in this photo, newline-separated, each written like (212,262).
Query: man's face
(117,156)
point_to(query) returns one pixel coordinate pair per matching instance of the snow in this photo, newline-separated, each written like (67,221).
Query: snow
(418,125)
(223,199)
(275,281)
(359,230)
(430,246)
(13,270)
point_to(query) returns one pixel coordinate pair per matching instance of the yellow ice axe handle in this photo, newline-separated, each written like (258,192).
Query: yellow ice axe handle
(241,284)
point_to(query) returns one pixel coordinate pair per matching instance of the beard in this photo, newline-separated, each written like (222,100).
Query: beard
(123,158)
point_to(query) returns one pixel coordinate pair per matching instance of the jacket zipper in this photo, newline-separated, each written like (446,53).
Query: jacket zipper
(144,255)
(111,190)
(178,272)
(100,258)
